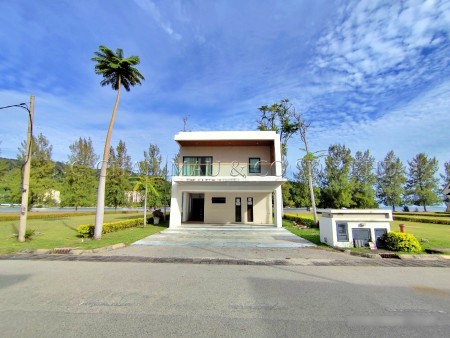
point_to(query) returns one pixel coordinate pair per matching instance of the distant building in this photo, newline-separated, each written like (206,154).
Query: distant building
(446,190)
(53,196)
(446,193)
(227,177)
(134,196)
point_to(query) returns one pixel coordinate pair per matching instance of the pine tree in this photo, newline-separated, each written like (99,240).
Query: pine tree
(390,180)
(445,182)
(118,174)
(363,180)
(422,187)
(80,183)
(336,180)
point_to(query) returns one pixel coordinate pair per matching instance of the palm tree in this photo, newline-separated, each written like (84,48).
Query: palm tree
(117,71)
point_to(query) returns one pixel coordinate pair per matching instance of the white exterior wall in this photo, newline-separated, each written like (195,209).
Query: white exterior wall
(226,182)
(225,213)
(355,219)
(232,157)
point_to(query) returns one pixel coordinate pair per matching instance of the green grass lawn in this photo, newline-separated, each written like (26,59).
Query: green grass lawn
(61,232)
(310,234)
(436,235)
(430,235)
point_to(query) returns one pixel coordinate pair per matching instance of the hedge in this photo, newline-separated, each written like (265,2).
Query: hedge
(87,230)
(421,220)
(56,214)
(302,220)
(426,214)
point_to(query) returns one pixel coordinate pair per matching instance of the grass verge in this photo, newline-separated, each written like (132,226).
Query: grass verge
(310,234)
(430,235)
(61,232)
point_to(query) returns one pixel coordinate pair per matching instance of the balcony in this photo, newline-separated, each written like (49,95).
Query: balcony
(226,170)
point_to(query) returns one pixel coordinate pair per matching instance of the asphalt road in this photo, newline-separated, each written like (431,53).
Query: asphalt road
(114,299)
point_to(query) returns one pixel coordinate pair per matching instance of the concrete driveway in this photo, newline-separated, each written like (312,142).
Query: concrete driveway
(234,235)
(231,244)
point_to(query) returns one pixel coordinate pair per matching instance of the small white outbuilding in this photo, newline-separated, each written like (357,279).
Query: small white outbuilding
(348,228)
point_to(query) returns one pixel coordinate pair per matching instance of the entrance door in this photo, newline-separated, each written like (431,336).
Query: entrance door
(198,209)
(238,211)
(249,209)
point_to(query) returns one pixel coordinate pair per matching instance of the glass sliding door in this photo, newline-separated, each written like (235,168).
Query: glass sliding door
(197,165)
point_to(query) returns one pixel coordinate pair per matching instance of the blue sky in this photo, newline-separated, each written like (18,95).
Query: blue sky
(368,74)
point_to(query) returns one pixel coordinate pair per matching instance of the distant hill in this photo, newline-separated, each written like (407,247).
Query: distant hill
(9,163)
(12,163)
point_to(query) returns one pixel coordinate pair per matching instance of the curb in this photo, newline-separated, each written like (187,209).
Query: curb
(73,251)
(393,263)
(406,257)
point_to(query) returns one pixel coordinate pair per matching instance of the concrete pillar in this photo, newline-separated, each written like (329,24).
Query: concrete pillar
(175,206)
(278,205)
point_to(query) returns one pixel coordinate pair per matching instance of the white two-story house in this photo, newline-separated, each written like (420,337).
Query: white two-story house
(227,177)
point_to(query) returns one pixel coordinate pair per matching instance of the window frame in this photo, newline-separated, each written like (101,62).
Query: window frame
(254,168)
(339,236)
(201,165)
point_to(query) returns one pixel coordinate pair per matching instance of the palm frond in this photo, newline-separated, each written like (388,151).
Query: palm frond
(113,66)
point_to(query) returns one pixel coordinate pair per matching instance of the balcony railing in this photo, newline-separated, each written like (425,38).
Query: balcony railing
(221,169)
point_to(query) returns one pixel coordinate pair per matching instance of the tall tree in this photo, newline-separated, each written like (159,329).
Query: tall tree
(80,180)
(446,181)
(337,186)
(279,117)
(422,186)
(41,177)
(117,71)
(301,194)
(363,180)
(153,178)
(390,180)
(309,158)
(118,174)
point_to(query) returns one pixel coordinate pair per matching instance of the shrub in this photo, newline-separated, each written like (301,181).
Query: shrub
(399,241)
(302,220)
(158,213)
(87,230)
(29,233)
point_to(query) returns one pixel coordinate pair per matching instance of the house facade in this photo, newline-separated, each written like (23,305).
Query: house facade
(227,177)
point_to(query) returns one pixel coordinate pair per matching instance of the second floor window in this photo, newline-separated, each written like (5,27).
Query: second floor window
(254,165)
(197,165)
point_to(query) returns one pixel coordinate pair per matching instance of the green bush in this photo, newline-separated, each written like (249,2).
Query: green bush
(399,241)
(29,233)
(87,230)
(302,220)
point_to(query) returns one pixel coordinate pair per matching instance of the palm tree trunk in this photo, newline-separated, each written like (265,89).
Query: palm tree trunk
(311,191)
(310,183)
(102,180)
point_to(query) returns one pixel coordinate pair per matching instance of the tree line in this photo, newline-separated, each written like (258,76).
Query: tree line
(346,181)
(77,179)
(351,181)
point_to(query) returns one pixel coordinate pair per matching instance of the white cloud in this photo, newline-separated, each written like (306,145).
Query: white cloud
(150,7)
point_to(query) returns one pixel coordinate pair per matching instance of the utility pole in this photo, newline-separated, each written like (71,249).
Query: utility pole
(26,175)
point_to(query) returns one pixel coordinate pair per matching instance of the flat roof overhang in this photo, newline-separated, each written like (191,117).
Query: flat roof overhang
(226,138)
(260,184)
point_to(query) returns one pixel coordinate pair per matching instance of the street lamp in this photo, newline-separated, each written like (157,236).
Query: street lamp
(26,168)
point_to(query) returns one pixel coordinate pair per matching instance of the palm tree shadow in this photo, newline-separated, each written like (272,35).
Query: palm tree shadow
(14,227)
(71,227)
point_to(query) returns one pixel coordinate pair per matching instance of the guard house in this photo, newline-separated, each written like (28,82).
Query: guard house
(353,227)
(227,177)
